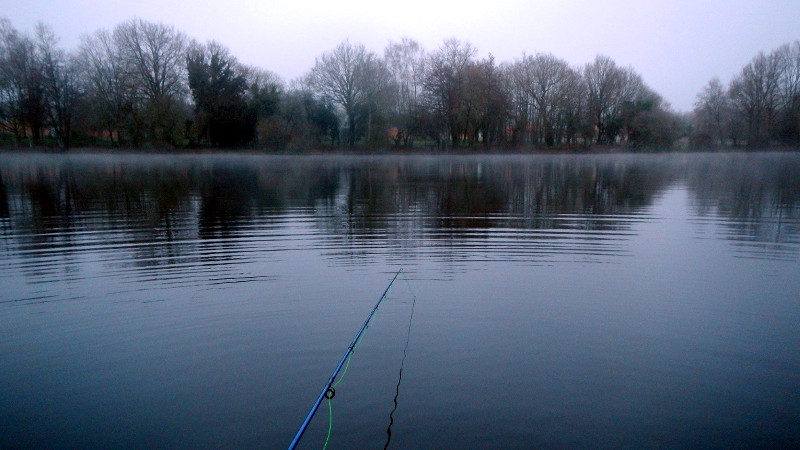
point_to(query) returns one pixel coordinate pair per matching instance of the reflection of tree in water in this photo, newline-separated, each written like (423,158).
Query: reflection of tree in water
(174,201)
(53,206)
(467,196)
(448,192)
(84,200)
(450,206)
(287,184)
(226,200)
(3,199)
(232,194)
(758,194)
(481,193)
(52,198)
(545,192)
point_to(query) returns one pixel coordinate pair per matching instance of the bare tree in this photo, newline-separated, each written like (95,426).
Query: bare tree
(516,87)
(610,90)
(755,95)
(60,84)
(789,93)
(379,101)
(549,74)
(548,84)
(712,111)
(604,82)
(110,87)
(11,119)
(483,110)
(21,85)
(445,87)
(304,120)
(571,123)
(154,54)
(351,77)
(406,62)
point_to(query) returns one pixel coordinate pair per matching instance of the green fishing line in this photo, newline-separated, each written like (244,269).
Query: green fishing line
(330,424)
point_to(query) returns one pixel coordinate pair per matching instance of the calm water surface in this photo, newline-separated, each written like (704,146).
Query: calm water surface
(561,301)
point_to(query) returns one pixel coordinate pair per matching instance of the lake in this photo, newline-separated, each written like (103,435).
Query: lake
(544,301)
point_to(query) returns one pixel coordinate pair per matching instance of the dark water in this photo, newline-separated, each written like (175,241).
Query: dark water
(586,301)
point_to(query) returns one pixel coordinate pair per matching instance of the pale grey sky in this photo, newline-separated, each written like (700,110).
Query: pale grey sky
(676,45)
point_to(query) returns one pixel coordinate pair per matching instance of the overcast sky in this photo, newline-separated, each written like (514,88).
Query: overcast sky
(676,45)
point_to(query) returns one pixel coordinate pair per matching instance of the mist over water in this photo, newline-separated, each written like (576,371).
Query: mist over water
(594,301)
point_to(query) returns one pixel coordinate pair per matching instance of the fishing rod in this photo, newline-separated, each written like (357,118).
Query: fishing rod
(328,391)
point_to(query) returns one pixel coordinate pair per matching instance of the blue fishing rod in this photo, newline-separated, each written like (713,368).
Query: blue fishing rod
(328,391)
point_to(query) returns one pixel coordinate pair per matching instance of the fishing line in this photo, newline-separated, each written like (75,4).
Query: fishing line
(402,363)
(330,425)
(329,391)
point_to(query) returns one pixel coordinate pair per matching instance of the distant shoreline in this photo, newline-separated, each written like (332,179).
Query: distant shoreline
(591,150)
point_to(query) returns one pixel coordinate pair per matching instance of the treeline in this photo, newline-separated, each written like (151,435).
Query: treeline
(760,107)
(146,84)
